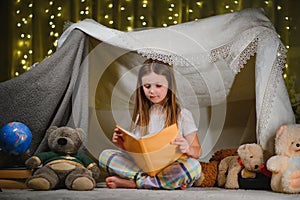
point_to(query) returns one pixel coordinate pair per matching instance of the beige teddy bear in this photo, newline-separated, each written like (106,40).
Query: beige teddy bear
(250,159)
(285,165)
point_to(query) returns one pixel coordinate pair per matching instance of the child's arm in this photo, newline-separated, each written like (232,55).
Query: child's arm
(189,145)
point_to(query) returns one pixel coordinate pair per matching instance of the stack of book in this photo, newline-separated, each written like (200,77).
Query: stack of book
(14,178)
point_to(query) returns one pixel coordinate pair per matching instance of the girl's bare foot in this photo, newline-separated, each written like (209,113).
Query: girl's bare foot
(116,182)
(183,186)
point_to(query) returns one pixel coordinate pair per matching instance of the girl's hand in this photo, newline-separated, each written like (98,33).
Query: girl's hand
(117,138)
(183,145)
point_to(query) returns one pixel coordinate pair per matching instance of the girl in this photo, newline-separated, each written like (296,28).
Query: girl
(156,107)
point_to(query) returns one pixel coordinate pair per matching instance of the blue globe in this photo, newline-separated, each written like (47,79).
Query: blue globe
(15,138)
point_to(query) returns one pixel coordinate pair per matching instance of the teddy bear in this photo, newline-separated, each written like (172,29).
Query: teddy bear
(62,166)
(248,161)
(209,173)
(285,164)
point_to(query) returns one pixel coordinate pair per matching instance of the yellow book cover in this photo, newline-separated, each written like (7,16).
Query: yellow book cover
(152,152)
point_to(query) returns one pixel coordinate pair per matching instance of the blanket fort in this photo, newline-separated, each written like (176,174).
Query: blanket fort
(90,80)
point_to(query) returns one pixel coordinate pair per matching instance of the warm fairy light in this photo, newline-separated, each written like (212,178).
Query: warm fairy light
(200,3)
(172,13)
(55,43)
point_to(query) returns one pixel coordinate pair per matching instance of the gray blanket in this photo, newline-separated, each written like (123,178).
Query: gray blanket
(42,96)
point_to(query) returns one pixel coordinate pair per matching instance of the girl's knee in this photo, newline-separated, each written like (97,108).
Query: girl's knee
(192,167)
(105,156)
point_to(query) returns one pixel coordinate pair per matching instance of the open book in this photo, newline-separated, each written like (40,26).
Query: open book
(152,152)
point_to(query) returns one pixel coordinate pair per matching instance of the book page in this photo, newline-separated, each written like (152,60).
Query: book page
(126,131)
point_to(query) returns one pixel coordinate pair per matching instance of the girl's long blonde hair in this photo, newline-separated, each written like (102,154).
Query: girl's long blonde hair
(141,112)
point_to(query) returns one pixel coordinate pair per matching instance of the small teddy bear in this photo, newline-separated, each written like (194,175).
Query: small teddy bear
(209,173)
(62,166)
(285,165)
(250,159)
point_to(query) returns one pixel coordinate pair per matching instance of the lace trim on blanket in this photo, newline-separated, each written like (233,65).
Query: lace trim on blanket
(165,57)
(276,73)
(220,52)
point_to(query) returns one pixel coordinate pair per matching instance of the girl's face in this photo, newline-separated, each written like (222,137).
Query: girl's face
(155,87)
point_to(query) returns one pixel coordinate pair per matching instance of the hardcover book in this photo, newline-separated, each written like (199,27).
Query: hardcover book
(152,152)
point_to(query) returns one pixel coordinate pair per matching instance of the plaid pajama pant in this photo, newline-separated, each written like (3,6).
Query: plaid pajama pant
(184,171)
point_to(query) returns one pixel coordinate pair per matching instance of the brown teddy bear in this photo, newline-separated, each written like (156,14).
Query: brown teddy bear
(63,166)
(250,159)
(209,173)
(285,165)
